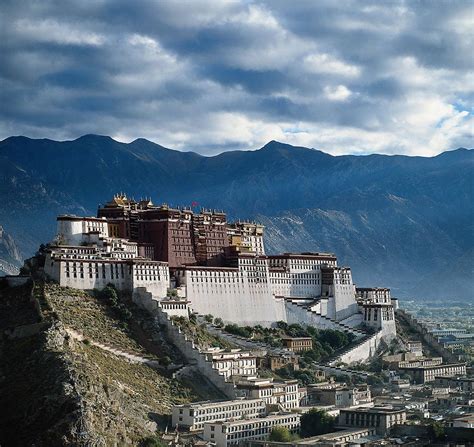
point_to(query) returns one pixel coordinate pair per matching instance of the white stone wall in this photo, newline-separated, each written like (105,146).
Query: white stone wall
(174,308)
(297,277)
(363,351)
(345,303)
(71,230)
(354,320)
(241,295)
(86,272)
(299,314)
(187,348)
(195,415)
(152,275)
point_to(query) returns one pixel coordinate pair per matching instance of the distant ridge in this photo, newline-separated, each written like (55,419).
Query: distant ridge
(272,144)
(399,221)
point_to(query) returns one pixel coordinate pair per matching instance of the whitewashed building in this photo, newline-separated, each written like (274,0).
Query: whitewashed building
(285,395)
(74,230)
(228,433)
(232,363)
(193,416)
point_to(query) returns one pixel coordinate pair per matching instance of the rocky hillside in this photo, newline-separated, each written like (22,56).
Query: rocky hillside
(10,258)
(402,222)
(66,377)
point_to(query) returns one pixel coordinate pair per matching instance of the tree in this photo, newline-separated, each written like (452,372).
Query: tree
(237,330)
(166,360)
(153,441)
(280,434)
(437,430)
(171,293)
(375,380)
(296,330)
(335,339)
(219,322)
(208,318)
(316,422)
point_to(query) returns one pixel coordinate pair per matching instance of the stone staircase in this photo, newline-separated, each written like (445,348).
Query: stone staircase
(361,349)
(241,342)
(339,371)
(196,360)
(339,355)
(325,322)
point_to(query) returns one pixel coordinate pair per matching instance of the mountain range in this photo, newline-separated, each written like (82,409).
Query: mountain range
(398,221)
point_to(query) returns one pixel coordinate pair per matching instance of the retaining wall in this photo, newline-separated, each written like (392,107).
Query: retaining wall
(186,346)
(16,280)
(297,313)
(427,337)
(337,371)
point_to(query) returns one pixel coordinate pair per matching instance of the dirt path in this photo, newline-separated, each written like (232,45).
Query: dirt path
(133,358)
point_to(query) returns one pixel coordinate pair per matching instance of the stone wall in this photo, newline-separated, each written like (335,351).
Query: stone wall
(16,280)
(354,320)
(341,372)
(236,299)
(300,314)
(363,351)
(186,346)
(124,274)
(426,336)
(27,330)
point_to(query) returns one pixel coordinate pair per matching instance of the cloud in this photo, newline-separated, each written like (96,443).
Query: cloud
(325,63)
(338,93)
(345,77)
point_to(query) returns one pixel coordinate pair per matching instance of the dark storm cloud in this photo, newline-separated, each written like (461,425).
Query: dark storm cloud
(342,76)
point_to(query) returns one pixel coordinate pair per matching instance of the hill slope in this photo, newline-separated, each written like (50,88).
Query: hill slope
(10,258)
(64,391)
(399,221)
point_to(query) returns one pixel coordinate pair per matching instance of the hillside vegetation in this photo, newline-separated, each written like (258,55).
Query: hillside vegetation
(65,390)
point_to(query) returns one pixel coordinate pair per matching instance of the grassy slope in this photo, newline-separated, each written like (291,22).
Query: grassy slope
(64,392)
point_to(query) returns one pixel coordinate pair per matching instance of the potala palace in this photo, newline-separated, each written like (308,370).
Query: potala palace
(215,267)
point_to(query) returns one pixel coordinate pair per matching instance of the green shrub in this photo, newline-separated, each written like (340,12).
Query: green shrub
(245,332)
(166,360)
(316,422)
(153,441)
(280,434)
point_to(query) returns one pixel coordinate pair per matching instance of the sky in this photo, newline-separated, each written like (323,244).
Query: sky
(346,77)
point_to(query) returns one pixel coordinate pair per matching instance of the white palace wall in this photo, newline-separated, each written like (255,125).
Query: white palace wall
(72,230)
(297,276)
(341,295)
(236,295)
(88,273)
